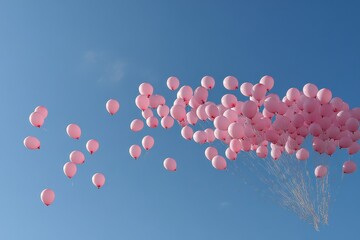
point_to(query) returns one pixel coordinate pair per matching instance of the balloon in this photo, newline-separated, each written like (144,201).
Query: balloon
(231,115)
(208,82)
(271,104)
(324,95)
(31,143)
(210,135)
(156,100)
(98,179)
(231,83)
(201,95)
(187,132)
(352,124)
(142,102)
(77,157)
(136,125)
(249,109)
(36,119)
(219,162)
(275,153)
(47,196)
(191,117)
(178,112)
(42,110)
(147,113)
(163,110)
(268,81)
(210,153)
(342,117)
(262,151)
(293,94)
(200,137)
(310,90)
(172,83)
(70,169)
(112,106)
(148,142)
(170,164)
(246,89)
(231,155)
(152,122)
(146,89)
(349,167)
(337,104)
(201,112)
(135,151)
(354,148)
(167,122)
(236,130)
(302,154)
(74,131)
(92,146)
(194,102)
(320,171)
(229,100)
(185,93)
(345,142)
(258,91)
(221,123)
(235,145)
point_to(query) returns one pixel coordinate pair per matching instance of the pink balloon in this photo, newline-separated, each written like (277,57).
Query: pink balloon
(112,106)
(352,124)
(333,132)
(219,162)
(172,83)
(152,122)
(74,131)
(211,152)
(191,117)
(231,155)
(231,115)
(147,113)
(210,135)
(321,171)
(187,132)
(345,142)
(136,125)
(258,91)
(342,117)
(324,95)
(185,93)
(146,89)
(272,136)
(70,169)
(355,113)
(98,179)
(167,122)
(47,196)
(221,123)
(178,112)
(302,154)
(268,81)
(293,94)
(262,151)
(31,143)
(271,104)
(298,121)
(236,130)
(354,148)
(235,145)
(36,119)
(156,100)
(315,129)
(201,95)
(229,100)
(349,167)
(193,102)
(208,82)
(148,142)
(336,104)
(200,137)
(319,145)
(142,102)
(231,83)
(163,110)
(246,89)
(310,90)
(249,109)
(42,110)
(77,157)
(135,151)
(275,153)
(330,148)
(180,102)
(170,164)
(92,146)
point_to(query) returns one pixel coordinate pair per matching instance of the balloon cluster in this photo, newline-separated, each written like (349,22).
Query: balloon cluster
(76,157)
(263,123)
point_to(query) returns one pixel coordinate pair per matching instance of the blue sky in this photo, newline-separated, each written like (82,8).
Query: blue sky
(72,56)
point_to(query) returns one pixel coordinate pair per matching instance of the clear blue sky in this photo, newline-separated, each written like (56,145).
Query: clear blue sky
(72,56)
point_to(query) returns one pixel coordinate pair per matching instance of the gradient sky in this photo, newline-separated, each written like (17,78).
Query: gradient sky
(72,56)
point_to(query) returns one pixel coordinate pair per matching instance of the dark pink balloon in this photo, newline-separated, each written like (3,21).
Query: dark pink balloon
(352,124)
(36,119)
(136,125)
(349,167)
(135,151)
(146,89)
(74,131)
(47,196)
(92,146)
(98,179)
(70,169)
(112,106)
(32,143)
(354,148)
(172,83)
(208,82)
(170,164)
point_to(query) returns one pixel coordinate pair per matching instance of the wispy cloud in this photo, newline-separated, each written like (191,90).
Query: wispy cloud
(224,204)
(90,57)
(113,73)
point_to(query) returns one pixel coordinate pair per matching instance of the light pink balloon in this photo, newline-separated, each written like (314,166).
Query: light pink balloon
(185,92)
(310,90)
(231,83)
(98,179)
(236,130)
(36,119)
(262,151)
(208,82)
(302,154)
(172,83)
(147,113)
(275,153)
(231,155)
(148,142)
(210,135)
(178,112)
(156,100)
(200,137)
(137,125)
(135,151)
(152,122)
(337,104)
(349,167)
(315,129)
(31,143)
(221,123)
(43,110)
(246,89)
(321,171)
(268,81)
(201,95)
(229,100)
(163,110)
(319,145)
(77,157)
(146,89)
(70,169)
(142,102)
(167,122)
(74,131)
(235,145)
(342,117)
(187,132)
(191,117)
(231,115)
(180,102)
(112,106)
(219,162)
(258,91)
(201,112)
(170,164)
(211,152)
(271,104)
(330,148)
(324,95)
(92,146)
(194,102)
(352,124)
(249,109)
(47,196)
(293,94)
